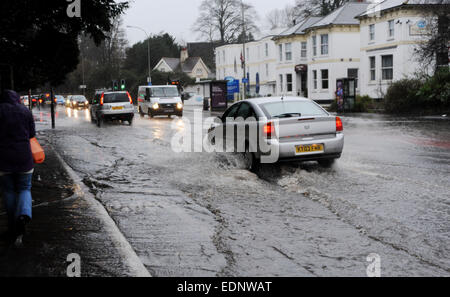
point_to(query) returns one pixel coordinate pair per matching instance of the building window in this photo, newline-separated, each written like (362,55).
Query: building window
(281,83)
(314,45)
(267,49)
(304,50)
(387,67)
(315,79)
(289,82)
(372,32)
(280,50)
(223,57)
(353,73)
(325,83)
(372,65)
(391,28)
(199,71)
(288,49)
(267,70)
(235,66)
(324,44)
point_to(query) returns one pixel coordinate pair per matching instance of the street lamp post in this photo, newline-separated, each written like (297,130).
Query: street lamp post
(149,80)
(243,48)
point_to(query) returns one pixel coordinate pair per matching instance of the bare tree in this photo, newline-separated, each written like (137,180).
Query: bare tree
(222,20)
(306,8)
(281,18)
(435,51)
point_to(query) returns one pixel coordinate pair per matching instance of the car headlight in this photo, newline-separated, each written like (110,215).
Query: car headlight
(156,106)
(179,105)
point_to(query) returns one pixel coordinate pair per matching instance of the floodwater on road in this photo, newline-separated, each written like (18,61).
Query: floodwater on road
(202,214)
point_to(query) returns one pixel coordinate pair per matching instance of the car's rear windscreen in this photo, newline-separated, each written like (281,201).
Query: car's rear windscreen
(304,108)
(116,98)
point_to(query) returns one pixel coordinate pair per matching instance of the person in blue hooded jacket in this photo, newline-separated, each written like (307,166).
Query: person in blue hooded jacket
(16,163)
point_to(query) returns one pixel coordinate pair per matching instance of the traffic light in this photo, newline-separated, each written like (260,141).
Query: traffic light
(122,85)
(115,85)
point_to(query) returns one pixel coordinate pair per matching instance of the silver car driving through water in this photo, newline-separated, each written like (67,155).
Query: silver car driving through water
(297,129)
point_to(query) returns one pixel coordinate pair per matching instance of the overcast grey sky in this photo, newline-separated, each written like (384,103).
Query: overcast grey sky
(177,16)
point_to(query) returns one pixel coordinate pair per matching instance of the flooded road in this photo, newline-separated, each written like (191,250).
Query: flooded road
(201,214)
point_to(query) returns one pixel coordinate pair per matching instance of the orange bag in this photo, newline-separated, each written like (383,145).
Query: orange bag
(37,151)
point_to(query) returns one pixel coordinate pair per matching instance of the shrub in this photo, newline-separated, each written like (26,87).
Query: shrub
(435,92)
(402,96)
(363,103)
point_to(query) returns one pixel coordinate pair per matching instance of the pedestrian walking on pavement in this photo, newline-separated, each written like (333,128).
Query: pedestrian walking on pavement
(17,127)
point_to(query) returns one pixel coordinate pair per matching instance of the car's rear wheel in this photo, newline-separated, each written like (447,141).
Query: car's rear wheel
(130,121)
(251,162)
(326,163)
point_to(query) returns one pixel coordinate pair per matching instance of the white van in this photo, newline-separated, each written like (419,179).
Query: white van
(159,100)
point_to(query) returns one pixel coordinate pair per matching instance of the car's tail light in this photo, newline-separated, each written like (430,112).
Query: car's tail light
(269,130)
(101,99)
(129,97)
(339,125)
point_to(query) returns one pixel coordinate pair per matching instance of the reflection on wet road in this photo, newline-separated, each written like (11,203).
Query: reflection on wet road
(200,214)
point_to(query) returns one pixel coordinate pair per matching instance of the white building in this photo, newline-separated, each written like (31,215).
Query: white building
(373,43)
(192,66)
(260,59)
(318,51)
(390,31)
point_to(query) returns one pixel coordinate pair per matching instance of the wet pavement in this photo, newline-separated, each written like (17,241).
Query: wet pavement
(63,223)
(201,214)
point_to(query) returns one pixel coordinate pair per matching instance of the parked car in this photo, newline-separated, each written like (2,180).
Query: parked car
(78,101)
(159,100)
(298,128)
(112,106)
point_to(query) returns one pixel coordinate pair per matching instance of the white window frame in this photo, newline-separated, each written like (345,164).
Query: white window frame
(388,68)
(289,85)
(391,28)
(324,48)
(314,45)
(322,79)
(288,51)
(280,52)
(304,50)
(314,79)
(372,32)
(281,83)
(373,68)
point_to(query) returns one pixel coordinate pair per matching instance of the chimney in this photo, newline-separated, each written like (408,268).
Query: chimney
(184,55)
